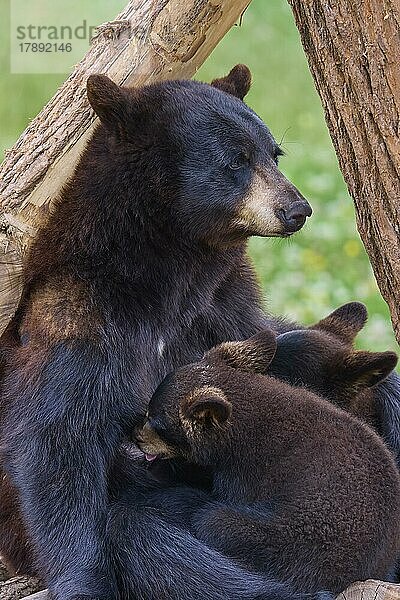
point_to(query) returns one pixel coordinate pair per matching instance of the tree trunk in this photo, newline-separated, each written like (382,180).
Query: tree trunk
(150,40)
(353,53)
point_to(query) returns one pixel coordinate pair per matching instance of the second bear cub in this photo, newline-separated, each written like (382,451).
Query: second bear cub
(322,358)
(303,491)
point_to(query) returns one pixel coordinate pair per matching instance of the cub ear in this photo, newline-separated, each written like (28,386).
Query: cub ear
(207,406)
(365,369)
(107,99)
(237,82)
(253,355)
(344,322)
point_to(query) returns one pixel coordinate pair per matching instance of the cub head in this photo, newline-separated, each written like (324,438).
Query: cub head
(196,157)
(196,411)
(323,359)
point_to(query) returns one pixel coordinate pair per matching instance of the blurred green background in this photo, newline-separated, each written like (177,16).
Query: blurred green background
(325,264)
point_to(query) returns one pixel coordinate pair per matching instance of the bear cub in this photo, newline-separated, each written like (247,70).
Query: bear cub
(303,491)
(322,358)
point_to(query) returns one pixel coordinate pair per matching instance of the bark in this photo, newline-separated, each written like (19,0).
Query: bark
(150,40)
(20,587)
(365,590)
(44,596)
(371,590)
(352,49)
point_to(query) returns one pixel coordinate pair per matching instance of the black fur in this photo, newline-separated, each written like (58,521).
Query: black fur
(140,268)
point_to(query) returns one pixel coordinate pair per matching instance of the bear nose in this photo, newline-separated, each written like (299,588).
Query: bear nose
(294,216)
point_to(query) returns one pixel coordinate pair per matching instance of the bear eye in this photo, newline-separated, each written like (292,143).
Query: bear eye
(241,160)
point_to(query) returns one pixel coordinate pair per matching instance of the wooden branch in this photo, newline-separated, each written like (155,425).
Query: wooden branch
(150,40)
(361,590)
(20,587)
(352,50)
(371,590)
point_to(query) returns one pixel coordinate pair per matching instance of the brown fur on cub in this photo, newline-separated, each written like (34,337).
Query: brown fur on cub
(304,491)
(322,358)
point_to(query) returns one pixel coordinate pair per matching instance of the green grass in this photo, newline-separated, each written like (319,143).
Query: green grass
(324,265)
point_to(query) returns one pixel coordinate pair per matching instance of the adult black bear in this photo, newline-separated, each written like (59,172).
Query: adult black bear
(304,491)
(322,358)
(140,268)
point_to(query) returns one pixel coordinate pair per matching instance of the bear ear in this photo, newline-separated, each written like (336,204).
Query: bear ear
(107,99)
(237,82)
(344,322)
(207,406)
(253,355)
(365,369)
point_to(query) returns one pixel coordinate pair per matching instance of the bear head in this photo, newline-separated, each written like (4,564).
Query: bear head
(196,158)
(194,412)
(322,357)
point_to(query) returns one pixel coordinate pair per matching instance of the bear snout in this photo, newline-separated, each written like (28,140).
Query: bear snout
(150,443)
(294,216)
(272,207)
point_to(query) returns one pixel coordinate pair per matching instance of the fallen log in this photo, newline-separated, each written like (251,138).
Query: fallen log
(361,590)
(371,590)
(39,596)
(21,587)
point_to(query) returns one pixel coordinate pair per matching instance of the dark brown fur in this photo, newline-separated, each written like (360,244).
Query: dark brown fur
(322,358)
(15,541)
(304,491)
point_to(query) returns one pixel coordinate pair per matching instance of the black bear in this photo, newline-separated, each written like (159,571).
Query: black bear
(304,491)
(322,358)
(140,268)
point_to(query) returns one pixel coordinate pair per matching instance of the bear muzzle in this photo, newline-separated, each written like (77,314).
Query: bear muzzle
(150,443)
(272,207)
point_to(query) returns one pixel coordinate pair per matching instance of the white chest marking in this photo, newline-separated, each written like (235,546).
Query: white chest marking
(160,346)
